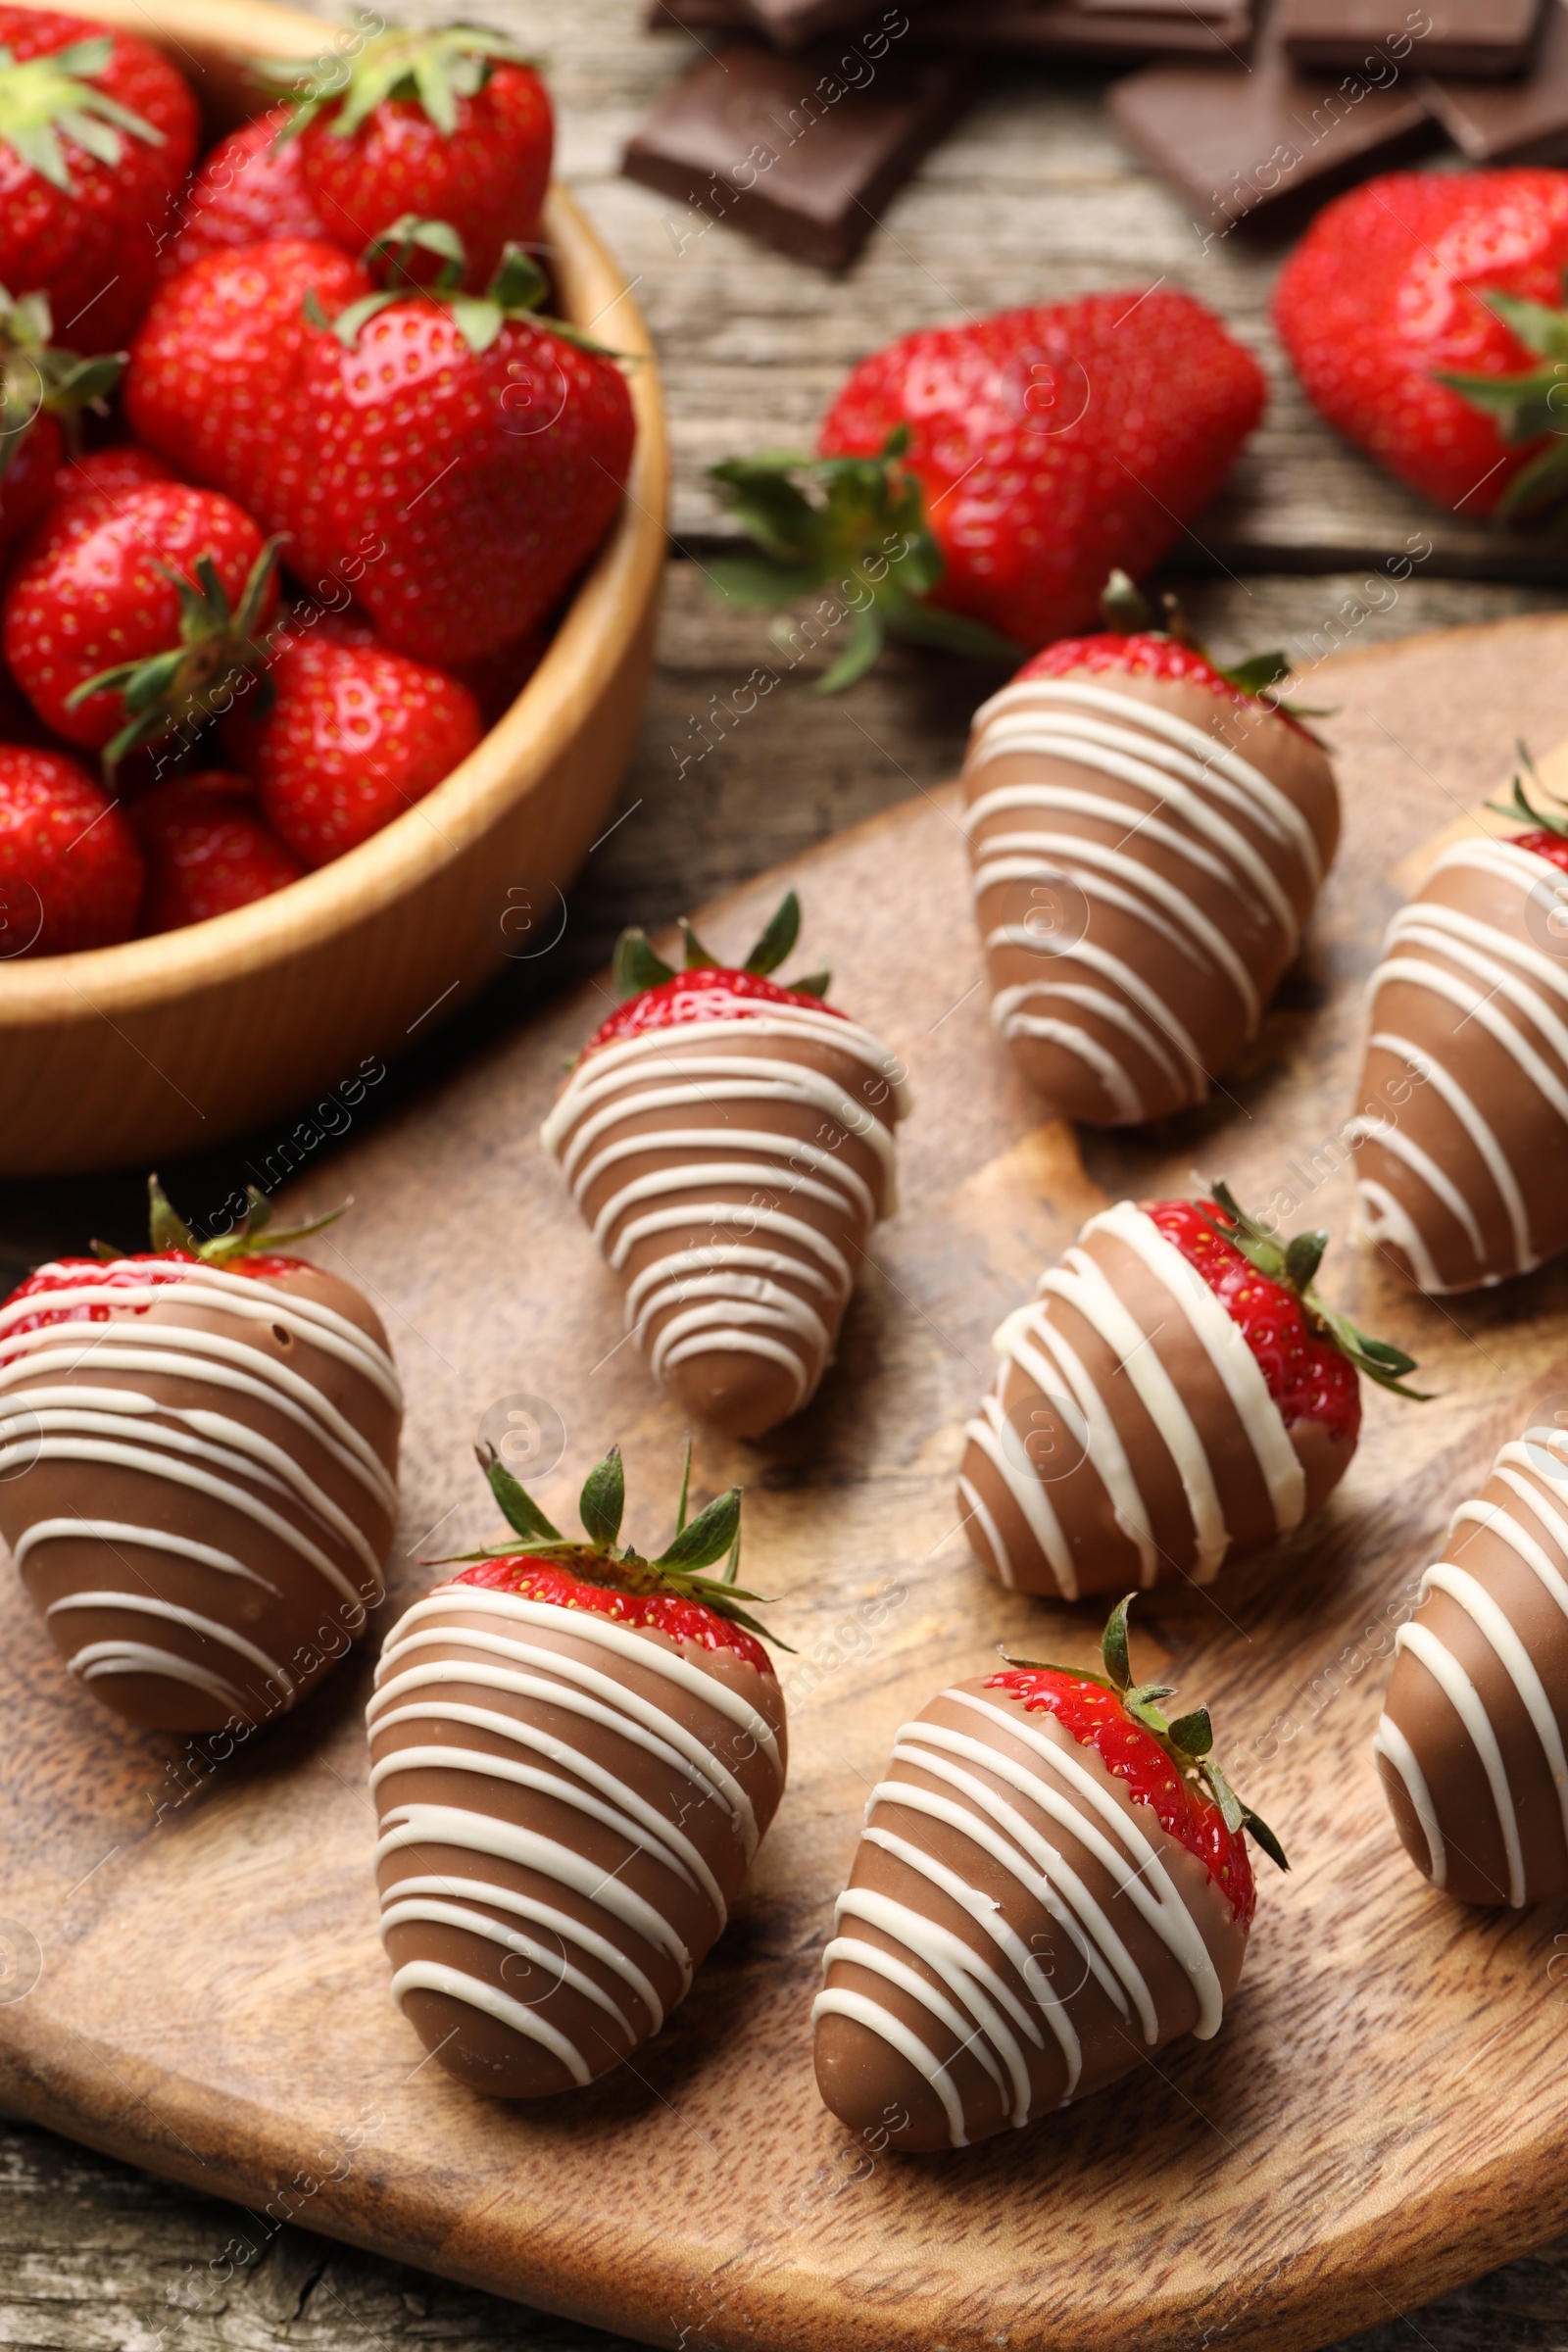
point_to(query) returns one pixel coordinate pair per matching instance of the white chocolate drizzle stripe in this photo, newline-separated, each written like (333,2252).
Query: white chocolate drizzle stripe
(425,1825)
(419,1908)
(1492,1623)
(1012,1023)
(143,1604)
(872,2014)
(1464,1698)
(1390,1741)
(1159,1015)
(559,1922)
(1022,1336)
(967,1975)
(835,1181)
(854,1950)
(114,1532)
(975,1504)
(432,1975)
(137,1657)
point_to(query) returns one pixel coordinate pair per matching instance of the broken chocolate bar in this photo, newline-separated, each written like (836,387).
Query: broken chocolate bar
(1449,36)
(1102,31)
(1270,143)
(804,151)
(1512,121)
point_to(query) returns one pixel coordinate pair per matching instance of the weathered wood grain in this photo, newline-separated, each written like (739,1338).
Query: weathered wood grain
(1380,2114)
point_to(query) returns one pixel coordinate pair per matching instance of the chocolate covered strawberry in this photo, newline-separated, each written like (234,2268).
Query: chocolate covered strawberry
(97,131)
(198,1467)
(1148,834)
(574,1753)
(977,484)
(207,850)
(1424,315)
(212,378)
(1054,1882)
(137,625)
(70,869)
(731,1143)
(43,390)
(1177,1395)
(247,189)
(341,738)
(449,122)
(1462,1130)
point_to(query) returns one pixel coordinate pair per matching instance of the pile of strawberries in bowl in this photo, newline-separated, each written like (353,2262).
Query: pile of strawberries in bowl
(296,469)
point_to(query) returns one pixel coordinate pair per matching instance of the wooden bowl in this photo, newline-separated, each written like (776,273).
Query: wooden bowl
(167,1043)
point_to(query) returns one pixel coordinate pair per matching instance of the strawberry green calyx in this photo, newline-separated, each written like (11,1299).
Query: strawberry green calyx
(1527,406)
(1520,804)
(696,1543)
(1126,610)
(219,645)
(47,95)
(167,1230)
(854,525)
(637,968)
(1189,1741)
(431,69)
(1294,1265)
(37,380)
(515,290)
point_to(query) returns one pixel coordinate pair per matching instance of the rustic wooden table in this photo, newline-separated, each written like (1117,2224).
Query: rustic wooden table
(1032,198)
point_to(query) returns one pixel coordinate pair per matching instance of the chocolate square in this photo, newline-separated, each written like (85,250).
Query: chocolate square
(1512,123)
(801,151)
(1440,37)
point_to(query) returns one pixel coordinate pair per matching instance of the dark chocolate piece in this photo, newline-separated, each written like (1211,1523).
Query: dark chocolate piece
(799,151)
(1240,146)
(1109,31)
(1442,36)
(792,23)
(1512,123)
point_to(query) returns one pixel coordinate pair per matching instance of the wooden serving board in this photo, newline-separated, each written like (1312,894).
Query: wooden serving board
(192,1972)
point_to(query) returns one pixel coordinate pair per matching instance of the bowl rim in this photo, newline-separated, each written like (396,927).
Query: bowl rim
(512,760)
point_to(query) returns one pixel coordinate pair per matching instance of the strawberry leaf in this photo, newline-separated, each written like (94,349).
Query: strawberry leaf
(814,984)
(1193,1734)
(603,1501)
(517,1506)
(636,967)
(698,957)
(777,941)
(165,1224)
(1113,1646)
(1540,820)
(710,1536)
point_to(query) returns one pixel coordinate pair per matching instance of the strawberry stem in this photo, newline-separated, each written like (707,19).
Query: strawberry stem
(56,92)
(38,380)
(428,69)
(1292,1266)
(636,969)
(1126,610)
(1189,1742)
(1540,820)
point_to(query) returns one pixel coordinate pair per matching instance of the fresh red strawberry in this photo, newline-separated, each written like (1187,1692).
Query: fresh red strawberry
(1548,836)
(211,373)
(452,124)
(470,457)
(1172,655)
(246,190)
(108,647)
(977,484)
(41,389)
(1423,313)
(702,993)
(1170,1767)
(97,133)
(670,1594)
(207,850)
(70,873)
(1309,1355)
(354,736)
(108,475)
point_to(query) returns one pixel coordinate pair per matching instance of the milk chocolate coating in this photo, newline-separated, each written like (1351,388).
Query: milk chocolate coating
(732,1171)
(1017,1931)
(1471,1745)
(1145,854)
(230,1452)
(1461,1128)
(1130,1436)
(567,1807)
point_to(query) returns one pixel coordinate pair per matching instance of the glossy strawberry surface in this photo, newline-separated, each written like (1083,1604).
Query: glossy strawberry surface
(27,485)
(246,190)
(355,735)
(1183,1807)
(70,871)
(132,1272)
(1153,656)
(208,850)
(1385,291)
(1056,444)
(83,602)
(473,487)
(213,371)
(706,993)
(109,475)
(1307,1377)
(665,1612)
(1552,846)
(487,177)
(92,248)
